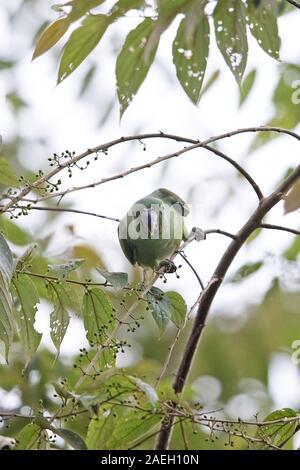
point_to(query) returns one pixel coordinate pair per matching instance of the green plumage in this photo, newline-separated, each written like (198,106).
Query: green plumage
(153,228)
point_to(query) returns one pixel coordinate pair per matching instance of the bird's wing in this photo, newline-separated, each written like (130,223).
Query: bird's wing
(149,219)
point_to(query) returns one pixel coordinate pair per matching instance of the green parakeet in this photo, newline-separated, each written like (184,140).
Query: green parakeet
(153,228)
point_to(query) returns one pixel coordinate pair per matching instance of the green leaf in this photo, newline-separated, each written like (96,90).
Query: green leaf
(160,307)
(101,428)
(178,308)
(262,21)
(62,270)
(6,315)
(81,7)
(278,434)
(25,258)
(87,80)
(50,36)
(253,236)
(81,43)
(131,428)
(14,233)
(132,66)
(28,438)
(286,99)
(231,35)
(6,303)
(190,51)
(7,174)
(99,321)
(117,280)
(6,64)
(246,271)
(25,314)
(59,317)
(147,389)
(214,76)
(73,439)
(6,260)
(293,251)
(170,8)
(247,86)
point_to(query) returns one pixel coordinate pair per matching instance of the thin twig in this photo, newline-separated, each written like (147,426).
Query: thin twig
(184,257)
(154,162)
(65,209)
(104,147)
(70,281)
(294,3)
(280,227)
(168,357)
(221,232)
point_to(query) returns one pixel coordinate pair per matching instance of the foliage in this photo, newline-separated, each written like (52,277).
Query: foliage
(190,46)
(88,399)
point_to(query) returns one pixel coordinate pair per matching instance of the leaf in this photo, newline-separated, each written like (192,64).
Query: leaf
(292,198)
(147,389)
(247,86)
(25,258)
(190,51)
(278,434)
(131,66)
(14,233)
(6,303)
(28,298)
(262,21)
(59,317)
(256,233)
(81,7)
(131,428)
(101,428)
(6,315)
(99,321)
(231,35)
(117,280)
(178,308)
(97,314)
(87,80)
(246,271)
(293,251)
(169,8)
(50,36)
(81,43)
(73,439)
(28,438)
(160,307)
(62,270)
(286,100)
(7,174)
(6,64)
(214,76)
(6,260)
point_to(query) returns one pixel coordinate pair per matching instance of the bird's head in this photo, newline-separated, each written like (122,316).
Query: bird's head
(168,197)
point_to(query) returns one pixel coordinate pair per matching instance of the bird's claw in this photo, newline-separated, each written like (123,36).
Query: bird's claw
(197,234)
(167,266)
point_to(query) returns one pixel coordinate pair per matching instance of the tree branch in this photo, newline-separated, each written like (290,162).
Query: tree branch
(104,147)
(64,209)
(209,293)
(280,227)
(294,3)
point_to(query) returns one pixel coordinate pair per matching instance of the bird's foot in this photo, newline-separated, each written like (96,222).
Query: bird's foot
(197,234)
(167,266)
